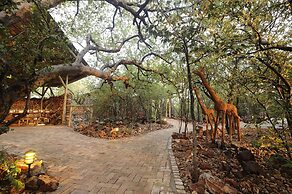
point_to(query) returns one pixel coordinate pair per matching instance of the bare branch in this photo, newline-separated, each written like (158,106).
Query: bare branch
(113,21)
(156,55)
(112,50)
(128,8)
(278,47)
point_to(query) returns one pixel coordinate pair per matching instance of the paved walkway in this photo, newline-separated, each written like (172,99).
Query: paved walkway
(89,165)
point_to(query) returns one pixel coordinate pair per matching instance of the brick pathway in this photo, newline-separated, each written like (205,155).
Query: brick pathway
(88,165)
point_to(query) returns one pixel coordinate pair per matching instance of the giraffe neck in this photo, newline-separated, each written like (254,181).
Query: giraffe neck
(214,96)
(200,100)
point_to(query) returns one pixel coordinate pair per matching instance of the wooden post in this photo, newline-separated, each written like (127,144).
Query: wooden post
(65,101)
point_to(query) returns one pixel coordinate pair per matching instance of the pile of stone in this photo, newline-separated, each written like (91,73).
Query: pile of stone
(38,179)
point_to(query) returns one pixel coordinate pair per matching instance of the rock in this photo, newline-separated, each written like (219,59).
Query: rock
(249,187)
(198,187)
(47,183)
(251,167)
(238,174)
(38,168)
(226,167)
(13,190)
(285,169)
(208,153)
(194,174)
(228,153)
(231,182)
(32,183)
(247,161)
(213,184)
(245,155)
(205,166)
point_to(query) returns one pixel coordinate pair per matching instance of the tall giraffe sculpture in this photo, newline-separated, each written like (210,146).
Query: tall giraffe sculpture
(221,109)
(219,105)
(207,112)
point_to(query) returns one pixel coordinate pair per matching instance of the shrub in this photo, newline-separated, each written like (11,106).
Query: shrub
(9,174)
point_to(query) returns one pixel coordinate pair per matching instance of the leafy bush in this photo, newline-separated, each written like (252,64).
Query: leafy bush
(268,140)
(277,161)
(3,129)
(256,143)
(9,174)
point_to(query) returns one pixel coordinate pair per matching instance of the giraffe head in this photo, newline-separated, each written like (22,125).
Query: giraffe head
(200,72)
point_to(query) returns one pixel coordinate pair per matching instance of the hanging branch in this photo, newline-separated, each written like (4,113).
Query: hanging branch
(113,20)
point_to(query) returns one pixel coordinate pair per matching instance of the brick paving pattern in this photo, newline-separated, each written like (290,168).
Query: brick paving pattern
(88,165)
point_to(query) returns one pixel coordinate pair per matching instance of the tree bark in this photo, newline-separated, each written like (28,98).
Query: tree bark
(195,175)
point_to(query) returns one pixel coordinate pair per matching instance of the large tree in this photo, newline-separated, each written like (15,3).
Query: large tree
(26,27)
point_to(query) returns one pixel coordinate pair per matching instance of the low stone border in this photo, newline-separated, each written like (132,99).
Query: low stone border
(178,184)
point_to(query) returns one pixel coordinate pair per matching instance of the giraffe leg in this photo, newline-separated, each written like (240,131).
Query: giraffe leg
(223,124)
(215,128)
(238,128)
(211,124)
(207,131)
(231,127)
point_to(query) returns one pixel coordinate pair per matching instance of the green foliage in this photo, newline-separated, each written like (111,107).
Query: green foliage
(8,5)
(143,99)
(9,173)
(268,139)
(277,161)
(256,143)
(3,129)
(288,165)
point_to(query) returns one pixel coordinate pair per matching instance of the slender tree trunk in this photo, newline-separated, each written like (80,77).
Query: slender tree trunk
(195,176)
(170,108)
(181,114)
(198,111)
(186,116)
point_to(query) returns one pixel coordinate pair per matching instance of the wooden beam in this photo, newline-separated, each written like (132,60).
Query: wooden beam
(63,81)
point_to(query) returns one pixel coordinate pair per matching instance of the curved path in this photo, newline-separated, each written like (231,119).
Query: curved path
(89,165)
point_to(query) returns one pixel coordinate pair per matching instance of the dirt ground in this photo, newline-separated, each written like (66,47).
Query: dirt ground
(268,172)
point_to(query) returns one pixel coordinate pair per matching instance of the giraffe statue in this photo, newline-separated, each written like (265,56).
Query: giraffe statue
(219,106)
(221,109)
(207,112)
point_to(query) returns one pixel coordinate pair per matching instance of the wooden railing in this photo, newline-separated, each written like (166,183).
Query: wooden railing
(33,117)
